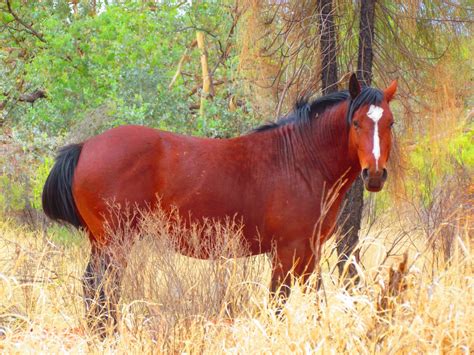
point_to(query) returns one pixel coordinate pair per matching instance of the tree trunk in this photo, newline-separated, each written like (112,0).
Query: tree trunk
(351,215)
(366,39)
(328,47)
(207,88)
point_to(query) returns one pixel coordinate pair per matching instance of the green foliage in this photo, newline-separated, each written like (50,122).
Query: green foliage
(422,163)
(380,201)
(12,194)
(119,56)
(64,236)
(38,180)
(431,162)
(123,58)
(461,148)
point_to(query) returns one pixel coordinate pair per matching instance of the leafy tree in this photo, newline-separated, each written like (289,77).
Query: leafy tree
(118,61)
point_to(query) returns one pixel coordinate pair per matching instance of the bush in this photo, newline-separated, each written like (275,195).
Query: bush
(12,194)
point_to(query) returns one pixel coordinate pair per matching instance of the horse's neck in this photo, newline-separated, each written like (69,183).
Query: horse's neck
(320,147)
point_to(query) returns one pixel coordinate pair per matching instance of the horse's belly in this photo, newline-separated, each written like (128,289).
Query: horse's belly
(216,227)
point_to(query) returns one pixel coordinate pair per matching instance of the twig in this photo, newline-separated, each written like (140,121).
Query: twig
(181,62)
(32,97)
(27,27)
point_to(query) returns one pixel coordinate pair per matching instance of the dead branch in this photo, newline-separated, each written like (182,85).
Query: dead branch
(181,62)
(32,97)
(28,28)
(393,289)
(197,87)
(228,44)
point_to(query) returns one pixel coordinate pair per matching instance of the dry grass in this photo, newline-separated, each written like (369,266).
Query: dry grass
(177,304)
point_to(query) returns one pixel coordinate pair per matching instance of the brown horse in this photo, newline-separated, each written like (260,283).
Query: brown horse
(274,178)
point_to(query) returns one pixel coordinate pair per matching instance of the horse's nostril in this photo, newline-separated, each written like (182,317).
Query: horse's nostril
(365,174)
(384,174)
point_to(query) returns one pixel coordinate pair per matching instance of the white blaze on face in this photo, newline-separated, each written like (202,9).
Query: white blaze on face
(375,114)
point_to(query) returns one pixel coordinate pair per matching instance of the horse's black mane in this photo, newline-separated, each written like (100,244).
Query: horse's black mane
(305,110)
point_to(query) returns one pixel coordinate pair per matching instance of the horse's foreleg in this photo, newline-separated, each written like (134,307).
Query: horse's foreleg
(101,283)
(288,264)
(280,286)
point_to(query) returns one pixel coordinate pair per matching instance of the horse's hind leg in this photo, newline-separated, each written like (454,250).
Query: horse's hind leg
(94,295)
(101,283)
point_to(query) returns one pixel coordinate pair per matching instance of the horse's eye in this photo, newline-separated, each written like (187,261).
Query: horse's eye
(356,124)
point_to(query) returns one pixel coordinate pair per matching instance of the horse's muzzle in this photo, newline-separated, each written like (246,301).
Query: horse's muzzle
(374,181)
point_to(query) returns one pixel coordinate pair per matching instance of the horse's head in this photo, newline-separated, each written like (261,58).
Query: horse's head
(370,133)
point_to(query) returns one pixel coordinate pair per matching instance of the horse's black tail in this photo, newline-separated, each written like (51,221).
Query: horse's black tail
(57,199)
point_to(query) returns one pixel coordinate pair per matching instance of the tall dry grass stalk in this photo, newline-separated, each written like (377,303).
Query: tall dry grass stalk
(165,289)
(173,303)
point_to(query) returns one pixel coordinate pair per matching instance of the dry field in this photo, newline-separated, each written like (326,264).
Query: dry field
(175,304)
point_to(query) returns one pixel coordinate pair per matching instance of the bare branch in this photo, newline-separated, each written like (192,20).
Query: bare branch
(32,97)
(181,62)
(27,27)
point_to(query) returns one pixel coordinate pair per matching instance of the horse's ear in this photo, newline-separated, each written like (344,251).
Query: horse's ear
(354,86)
(389,92)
